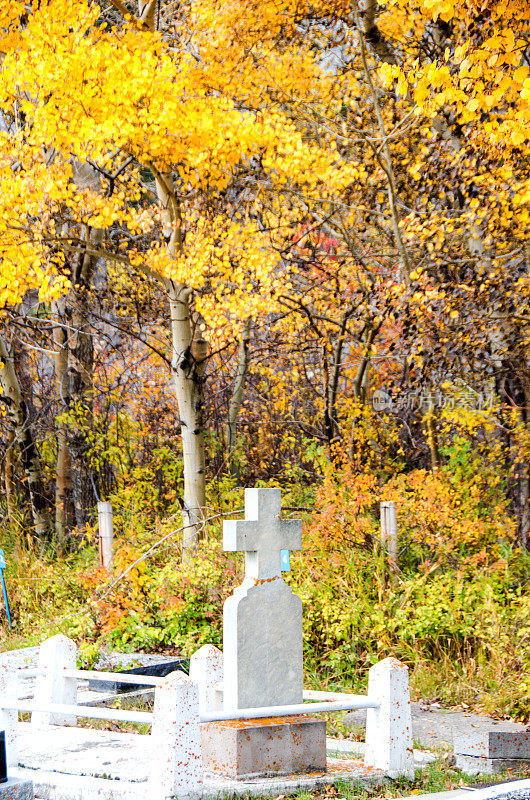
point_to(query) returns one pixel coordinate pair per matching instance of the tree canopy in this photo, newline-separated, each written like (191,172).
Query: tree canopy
(334,194)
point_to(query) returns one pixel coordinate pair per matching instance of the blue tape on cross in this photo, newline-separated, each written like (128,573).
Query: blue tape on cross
(285,560)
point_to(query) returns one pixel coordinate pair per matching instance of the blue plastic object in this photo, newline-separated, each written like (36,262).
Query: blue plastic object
(4,590)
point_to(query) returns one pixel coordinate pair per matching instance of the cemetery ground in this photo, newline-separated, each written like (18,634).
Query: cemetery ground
(462,632)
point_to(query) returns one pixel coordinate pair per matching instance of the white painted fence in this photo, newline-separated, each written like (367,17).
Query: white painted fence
(389,720)
(182,703)
(176,765)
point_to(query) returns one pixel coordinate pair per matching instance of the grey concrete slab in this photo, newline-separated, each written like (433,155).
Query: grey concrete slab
(453,794)
(337,769)
(16,789)
(83,764)
(475,765)
(514,790)
(56,786)
(434,726)
(494,744)
(85,751)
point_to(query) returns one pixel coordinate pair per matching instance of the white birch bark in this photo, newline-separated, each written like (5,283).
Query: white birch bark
(186,378)
(187,366)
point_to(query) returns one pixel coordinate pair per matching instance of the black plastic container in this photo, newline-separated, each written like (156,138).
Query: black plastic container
(3,759)
(151,670)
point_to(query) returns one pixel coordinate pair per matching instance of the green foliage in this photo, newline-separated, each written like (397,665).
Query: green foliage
(450,612)
(456,611)
(88,655)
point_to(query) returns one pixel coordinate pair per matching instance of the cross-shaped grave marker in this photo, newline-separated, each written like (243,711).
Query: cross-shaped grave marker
(262,535)
(262,620)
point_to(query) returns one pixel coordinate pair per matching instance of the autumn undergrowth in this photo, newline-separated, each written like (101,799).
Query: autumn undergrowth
(455,610)
(436,777)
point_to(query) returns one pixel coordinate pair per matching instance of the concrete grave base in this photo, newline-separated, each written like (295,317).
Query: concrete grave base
(493,751)
(15,789)
(85,764)
(495,744)
(51,785)
(243,749)
(474,765)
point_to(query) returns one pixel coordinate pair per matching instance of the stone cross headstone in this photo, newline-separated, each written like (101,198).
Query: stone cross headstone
(262,620)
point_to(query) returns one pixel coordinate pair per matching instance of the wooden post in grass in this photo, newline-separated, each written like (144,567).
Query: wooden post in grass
(389,534)
(106,534)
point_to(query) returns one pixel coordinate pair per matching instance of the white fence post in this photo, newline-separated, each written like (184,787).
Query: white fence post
(389,727)
(106,534)
(176,739)
(206,670)
(389,532)
(9,717)
(56,654)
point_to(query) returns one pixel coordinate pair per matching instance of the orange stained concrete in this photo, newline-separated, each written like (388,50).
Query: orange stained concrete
(265,746)
(239,724)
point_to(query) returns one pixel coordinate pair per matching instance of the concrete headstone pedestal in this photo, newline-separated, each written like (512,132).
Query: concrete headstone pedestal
(263,661)
(261,748)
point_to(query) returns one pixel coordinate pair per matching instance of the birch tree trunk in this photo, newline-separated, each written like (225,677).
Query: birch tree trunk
(187,366)
(18,413)
(188,376)
(187,363)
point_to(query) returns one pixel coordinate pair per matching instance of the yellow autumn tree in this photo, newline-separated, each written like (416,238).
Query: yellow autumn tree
(133,123)
(195,145)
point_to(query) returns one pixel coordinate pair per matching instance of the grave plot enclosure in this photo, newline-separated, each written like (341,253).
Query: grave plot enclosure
(238,715)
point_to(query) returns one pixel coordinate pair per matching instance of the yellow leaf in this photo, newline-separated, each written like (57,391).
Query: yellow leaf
(520,74)
(517,137)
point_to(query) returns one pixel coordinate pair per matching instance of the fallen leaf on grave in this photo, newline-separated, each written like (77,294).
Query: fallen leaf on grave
(431,733)
(473,725)
(416,791)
